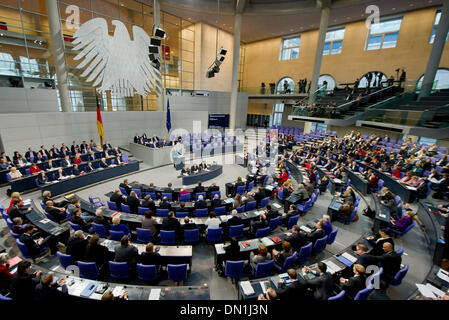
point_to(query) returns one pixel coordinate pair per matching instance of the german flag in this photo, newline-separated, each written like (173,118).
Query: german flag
(100,124)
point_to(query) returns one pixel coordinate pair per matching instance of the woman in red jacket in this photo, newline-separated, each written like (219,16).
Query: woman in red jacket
(78,159)
(5,275)
(282,177)
(34,169)
(396,172)
(15,195)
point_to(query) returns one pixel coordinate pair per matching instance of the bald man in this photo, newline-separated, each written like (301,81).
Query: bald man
(390,261)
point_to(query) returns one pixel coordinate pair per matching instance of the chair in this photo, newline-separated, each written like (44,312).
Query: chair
(400,251)
(123,191)
(264,202)
(332,236)
(75,226)
(100,230)
(264,269)
(251,205)
(281,195)
(219,211)
(292,221)
(88,270)
(319,245)
(138,192)
(250,186)
(15,235)
(184,197)
(112,205)
(118,270)
(339,296)
(260,233)
(214,235)
(240,190)
(363,294)
(265,180)
(181,214)
(192,236)
(162,213)
(201,213)
(236,231)
(2,297)
(200,194)
(273,224)
(288,263)
(24,250)
(213,193)
(116,235)
(168,195)
(125,208)
(98,203)
(125,157)
(177,272)
(65,260)
(9,223)
(141,211)
(168,237)
(348,220)
(399,276)
(305,252)
(234,269)
(143,235)
(152,195)
(241,209)
(401,233)
(146,273)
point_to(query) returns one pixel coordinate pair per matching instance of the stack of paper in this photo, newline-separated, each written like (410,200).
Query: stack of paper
(305,229)
(349,257)
(247,288)
(332,267)
(117,291)
(154,294)
(266,242)
(429,291)
(276,205)
(443,275)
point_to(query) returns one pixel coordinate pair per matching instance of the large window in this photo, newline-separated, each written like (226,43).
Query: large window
(334,41)
(328,80)
(30,67)
(435,26)
(7,65)
(383,35)
(276,118)
(286,86)
(427,141)
(318,127)
(290,48)
(441,80)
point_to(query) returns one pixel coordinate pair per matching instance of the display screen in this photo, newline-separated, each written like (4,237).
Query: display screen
(219,121)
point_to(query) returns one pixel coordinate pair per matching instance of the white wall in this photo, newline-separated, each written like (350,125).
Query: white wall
(18,132)
(25,100)
(205,54)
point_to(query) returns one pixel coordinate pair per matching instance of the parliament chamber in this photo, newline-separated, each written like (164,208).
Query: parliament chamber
(308,162)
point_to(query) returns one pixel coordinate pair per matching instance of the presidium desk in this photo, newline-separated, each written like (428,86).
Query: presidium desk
(154,157)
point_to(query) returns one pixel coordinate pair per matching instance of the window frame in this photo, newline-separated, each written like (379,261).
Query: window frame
(331,42)
(434,28)
(382,34)
(289,49)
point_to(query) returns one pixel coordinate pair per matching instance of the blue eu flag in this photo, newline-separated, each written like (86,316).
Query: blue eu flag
(168,124)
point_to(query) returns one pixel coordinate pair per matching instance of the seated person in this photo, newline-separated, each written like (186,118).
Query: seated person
(57,213)
(378,241)
(59,175)
(125,185)
(212,222)
(150,257)
(117,226)
(258,224)
(126,252)
(75,170)
(5,275)
(198,188)
(262,256)
(189,224)
(201,203)
(66,162)
(118,199)
(290,213)
(19,226)
(232,252)
(148,202)
(316,234)
(354,284)
(195,168)
(47,196)
(77,219)
(17,211)
(35,247)
(327,225)
(99,219)
(34,169)
(270,213)
(345,210)
(89,167)
(282,177)
(402,224)
(171,223)
(133,202)
(280,256)
(76,246)
(165,204)
(295,290)
(322,285)
(296,238)
(14,173)
(103,163)
(23,283)
(149,223)
(42,179)
(235,220)
(215,202)
(323,184)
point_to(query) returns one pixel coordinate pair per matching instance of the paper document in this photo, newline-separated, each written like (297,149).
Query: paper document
(349,257)
(337,181)
(305,229)
(263,285)
(247,288)
(276,205)
(117,291)
(267,242)
(219,247)
(154,294)
(332,267)
(411,188)
(45,220)
(76,288)
(443,275)
(429,291)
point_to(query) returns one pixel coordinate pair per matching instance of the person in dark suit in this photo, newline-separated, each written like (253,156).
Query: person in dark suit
(290,213)
(378,241)
(133,202)
(107,145)
(126,252)
(47,291)
(256,225)
(150,257)
(23,283)
(182,208)
(16,211)
(99,219)
(270,213)
(89,167)
(30,155)
(76,246)
(136,138)
(354,284)
(91,156)
(97,253)
(297,238)
(77,219)
(170,223)
(322,285)
(195,168)
(66,162)
(390,261)
(259,195)
(185,171)
(169,188)
(199,188)
(200,203)
(148,202)
(57,213)
(103,163)
(364,258)
(75,170)
(203,165)
(215,202)
(35,246)
(318,233)
(235,220)
(188,224)
(213,187)
(47,166)
(165,204)
(118,199)
(296,290)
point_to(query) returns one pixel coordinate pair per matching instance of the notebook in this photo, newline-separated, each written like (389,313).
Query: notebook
(266,242)
(247,288)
